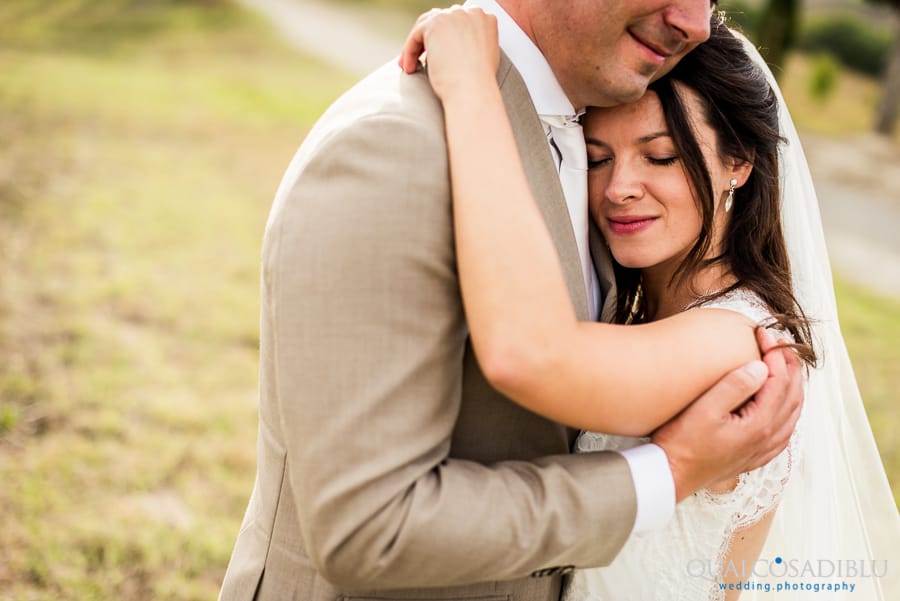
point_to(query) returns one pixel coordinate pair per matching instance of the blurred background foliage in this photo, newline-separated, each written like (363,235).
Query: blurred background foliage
(143,142)
(859,42)
(861,35)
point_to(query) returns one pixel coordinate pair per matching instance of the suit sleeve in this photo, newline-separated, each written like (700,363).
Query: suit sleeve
(369,335)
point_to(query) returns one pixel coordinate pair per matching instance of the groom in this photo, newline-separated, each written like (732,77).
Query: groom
(388,467)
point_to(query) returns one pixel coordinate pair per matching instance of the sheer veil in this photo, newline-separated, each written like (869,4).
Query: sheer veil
(837,520)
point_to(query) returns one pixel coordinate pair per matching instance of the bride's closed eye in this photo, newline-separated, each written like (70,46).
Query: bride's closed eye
(597,162)
(662,161)
(656,160)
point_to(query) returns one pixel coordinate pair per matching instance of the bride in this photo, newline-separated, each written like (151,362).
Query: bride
(684,186)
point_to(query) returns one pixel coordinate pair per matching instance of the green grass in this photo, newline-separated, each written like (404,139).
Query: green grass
(871,327)
(146,142)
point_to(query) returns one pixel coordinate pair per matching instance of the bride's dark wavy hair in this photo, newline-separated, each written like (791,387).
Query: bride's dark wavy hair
(741,107)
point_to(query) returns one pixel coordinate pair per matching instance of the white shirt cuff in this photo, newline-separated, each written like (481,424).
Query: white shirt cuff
(654,486)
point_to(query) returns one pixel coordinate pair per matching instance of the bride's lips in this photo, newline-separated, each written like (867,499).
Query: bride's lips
(629,225)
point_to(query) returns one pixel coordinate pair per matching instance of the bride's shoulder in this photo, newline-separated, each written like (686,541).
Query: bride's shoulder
(743,301)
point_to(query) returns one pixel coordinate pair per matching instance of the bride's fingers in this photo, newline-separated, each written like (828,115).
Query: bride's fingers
(427,15)
(413,48)
(414,45)
(452,32)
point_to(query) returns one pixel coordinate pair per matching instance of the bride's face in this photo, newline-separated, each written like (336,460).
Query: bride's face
(640,194)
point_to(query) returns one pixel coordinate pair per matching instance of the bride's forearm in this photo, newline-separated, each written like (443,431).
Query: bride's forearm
(630,380)
(517,304)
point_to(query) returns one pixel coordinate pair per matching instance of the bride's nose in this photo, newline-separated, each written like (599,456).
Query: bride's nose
(624,185)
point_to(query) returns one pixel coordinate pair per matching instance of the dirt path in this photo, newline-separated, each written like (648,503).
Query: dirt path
(858,183)
(858,179)
(352,38)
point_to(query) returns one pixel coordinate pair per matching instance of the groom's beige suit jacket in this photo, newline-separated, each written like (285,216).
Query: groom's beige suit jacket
(388,467)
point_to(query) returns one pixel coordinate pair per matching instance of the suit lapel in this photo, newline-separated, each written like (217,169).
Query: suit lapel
(543,178)
(604,268)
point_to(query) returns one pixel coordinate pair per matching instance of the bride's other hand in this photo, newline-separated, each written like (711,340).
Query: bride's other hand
(461,45)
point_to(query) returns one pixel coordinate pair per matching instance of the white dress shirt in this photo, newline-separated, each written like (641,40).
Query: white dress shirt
(653,481)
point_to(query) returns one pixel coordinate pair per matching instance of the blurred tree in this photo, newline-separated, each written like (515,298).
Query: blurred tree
(777,30)
(853,40)
(886,117)
(824,77)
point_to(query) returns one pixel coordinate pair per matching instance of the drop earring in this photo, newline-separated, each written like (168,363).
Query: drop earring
(730,200)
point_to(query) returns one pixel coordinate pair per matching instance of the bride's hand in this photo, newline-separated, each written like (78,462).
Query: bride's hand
(462,47)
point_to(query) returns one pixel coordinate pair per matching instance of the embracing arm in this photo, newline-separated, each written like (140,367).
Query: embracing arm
(624,380)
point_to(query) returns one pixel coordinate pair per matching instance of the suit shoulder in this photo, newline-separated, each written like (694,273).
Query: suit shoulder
(387,96)
(379,150)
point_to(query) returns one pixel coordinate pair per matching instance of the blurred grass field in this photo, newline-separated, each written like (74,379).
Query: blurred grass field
(143,141)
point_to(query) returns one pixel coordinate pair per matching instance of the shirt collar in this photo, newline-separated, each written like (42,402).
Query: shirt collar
(546,93)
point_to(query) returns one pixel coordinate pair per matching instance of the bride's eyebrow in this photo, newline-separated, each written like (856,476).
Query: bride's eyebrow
(595,142)
(653,136)
(590,140)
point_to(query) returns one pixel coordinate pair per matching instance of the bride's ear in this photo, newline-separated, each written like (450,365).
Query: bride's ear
(741,171)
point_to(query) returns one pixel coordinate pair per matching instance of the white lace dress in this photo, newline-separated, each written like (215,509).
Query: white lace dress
(680,561)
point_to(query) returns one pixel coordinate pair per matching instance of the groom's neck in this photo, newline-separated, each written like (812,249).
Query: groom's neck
(520,12)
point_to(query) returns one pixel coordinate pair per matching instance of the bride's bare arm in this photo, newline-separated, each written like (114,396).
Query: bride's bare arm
(743,550)
(618,379)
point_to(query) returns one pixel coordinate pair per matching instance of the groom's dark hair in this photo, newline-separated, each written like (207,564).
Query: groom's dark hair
(740,106)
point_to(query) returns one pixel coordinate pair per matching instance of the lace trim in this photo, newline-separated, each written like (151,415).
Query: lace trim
(707,522)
